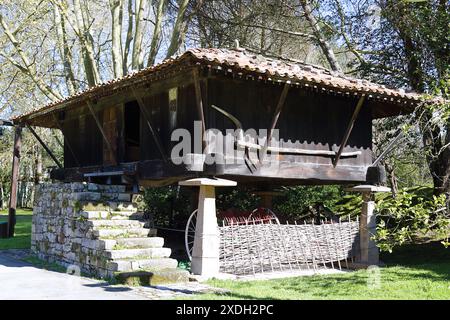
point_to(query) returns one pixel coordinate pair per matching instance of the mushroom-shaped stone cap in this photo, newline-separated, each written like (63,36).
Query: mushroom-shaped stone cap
(215,182)
(368,188)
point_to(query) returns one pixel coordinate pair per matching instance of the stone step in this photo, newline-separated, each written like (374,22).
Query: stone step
(101,196)
(110,224)
(136,243)
(153,264)
(92,215)
(123,243)
(152,277)
(123,215)
(105,188)
(123,233)
(106,206)
(103,244)
(139,254)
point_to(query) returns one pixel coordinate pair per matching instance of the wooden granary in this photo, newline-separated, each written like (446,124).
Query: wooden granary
(120,131)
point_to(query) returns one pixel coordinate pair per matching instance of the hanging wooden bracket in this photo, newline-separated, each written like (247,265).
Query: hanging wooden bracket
(199,102)
(276,116)
(46,148)
(349,129)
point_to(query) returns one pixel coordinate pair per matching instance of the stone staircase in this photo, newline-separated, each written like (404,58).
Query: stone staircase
(123,248)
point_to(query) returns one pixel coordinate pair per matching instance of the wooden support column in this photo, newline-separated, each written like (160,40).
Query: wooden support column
(14,181)
(349,130)
(205,254)
(100,128)
(148,120)
(47,149)
(368,251)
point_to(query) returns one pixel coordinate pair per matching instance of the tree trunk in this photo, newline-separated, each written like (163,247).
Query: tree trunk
(2,196)
(433,137)
(129,37)
(179,29)
(64,49)
(154,47)
(37,166)
(392,179)
(87,46)
(137,56)
(116,31)
(324,45)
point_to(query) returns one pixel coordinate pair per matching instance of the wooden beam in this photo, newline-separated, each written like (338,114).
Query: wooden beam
(199,102)
(349,129)
(325,153)
(398,135)
(47,149)
(275,118)
(66,141)
(147,119)
(14,181)
(100,128)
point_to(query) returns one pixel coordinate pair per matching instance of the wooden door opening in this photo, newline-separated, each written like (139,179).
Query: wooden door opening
(132,132)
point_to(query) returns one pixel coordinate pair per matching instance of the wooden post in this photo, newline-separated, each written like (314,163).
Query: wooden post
(14,181)
(199,102)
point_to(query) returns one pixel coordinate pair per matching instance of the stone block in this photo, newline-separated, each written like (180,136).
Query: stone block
(152,278)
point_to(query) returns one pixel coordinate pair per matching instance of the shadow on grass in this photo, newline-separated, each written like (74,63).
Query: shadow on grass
(411,272)
(432,257)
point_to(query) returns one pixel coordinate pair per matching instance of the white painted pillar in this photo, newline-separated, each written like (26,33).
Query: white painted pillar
(205,254)
(368,251)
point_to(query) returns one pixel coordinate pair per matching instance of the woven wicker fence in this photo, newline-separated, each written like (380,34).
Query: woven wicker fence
(252,247)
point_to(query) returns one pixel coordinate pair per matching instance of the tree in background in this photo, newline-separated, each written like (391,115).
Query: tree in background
(49,49)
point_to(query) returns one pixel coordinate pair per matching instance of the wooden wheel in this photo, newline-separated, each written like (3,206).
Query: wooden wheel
(267,213)
(189,233)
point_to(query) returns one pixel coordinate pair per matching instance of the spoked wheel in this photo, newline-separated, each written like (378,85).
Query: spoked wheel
(189,233)
(267,214)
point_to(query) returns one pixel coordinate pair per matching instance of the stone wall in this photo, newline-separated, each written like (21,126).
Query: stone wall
(63,230)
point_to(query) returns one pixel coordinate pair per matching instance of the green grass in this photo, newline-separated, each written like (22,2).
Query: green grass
(22,237)
(412,272)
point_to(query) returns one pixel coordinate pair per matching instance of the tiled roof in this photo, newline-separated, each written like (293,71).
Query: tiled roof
(264,67)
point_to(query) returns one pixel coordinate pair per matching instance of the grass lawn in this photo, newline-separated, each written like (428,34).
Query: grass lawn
(412,272)
(22,238)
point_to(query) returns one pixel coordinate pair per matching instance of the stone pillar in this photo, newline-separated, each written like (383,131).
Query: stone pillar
(369,253)
(205,254)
